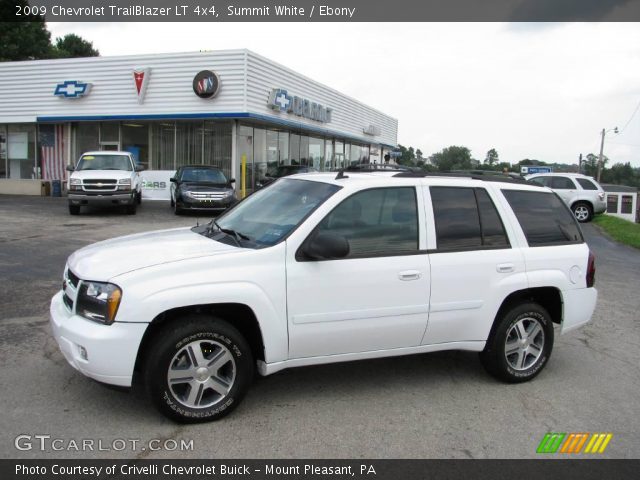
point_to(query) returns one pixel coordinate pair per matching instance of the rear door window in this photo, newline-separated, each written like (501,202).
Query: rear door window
(561,183)
(466,219)
(544,218)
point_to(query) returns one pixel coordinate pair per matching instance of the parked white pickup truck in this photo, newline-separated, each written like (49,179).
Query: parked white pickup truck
(105,178)
(318,268)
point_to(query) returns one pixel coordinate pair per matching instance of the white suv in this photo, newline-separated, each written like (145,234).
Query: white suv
(105,178)
(319,268)
(582,194)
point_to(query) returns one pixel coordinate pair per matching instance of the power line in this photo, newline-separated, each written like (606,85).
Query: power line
(631,118)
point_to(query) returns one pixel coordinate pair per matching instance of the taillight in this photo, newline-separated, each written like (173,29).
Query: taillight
(591,270)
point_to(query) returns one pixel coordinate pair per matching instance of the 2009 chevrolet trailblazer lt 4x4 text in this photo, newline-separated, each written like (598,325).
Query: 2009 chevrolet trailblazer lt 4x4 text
(319,268)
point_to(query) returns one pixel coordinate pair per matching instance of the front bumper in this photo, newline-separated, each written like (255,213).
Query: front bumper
(101,198)
(111,349)
(188,203)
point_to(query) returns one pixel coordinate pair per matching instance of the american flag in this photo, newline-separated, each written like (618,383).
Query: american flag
(52,144)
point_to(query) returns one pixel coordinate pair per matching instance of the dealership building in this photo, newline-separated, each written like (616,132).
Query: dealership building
(233,109)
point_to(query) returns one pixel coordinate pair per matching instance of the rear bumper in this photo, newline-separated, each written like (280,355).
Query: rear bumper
(600,207)
(111,349)
(579,305)
(101,199)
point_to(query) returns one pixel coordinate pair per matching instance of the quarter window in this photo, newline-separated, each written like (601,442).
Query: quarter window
(544,218)
(466,219)
(586,184)
(376,222)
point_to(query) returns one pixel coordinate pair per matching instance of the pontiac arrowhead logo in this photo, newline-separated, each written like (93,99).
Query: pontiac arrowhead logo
(140,81)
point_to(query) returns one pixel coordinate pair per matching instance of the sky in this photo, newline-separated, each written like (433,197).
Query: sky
(529,90)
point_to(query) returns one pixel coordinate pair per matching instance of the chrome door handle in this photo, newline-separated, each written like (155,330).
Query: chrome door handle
(505,268)
(409,275)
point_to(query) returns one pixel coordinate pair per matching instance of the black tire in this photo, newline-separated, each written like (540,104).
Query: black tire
(196,331)
(74,209)
(131,208)
(139,198)
(172,204)
(176,209)
(500,364)
(582,211)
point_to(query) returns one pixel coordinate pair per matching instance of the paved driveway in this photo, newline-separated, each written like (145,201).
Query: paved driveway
(438,405)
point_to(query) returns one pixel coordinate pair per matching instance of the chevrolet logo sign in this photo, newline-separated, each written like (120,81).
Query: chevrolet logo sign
(72,89)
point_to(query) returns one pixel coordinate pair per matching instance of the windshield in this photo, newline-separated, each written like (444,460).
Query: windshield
(104,162)
(269,215)
(207,175)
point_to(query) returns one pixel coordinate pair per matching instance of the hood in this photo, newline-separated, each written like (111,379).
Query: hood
(102,174)
(104,260)
(204,187)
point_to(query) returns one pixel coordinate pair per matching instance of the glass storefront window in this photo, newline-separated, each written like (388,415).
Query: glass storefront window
(244,152)
(259,154)
(316,153)
(339,155)
(273,153)
(87,139)
(4,161)
(163,137)
(328,156)
(283,147)
(188,143)
(294,151)
(304,150)
(217,146)
(109,134)
(21,151)
(135,139)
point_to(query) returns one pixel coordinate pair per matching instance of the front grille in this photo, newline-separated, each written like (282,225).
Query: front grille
(100,185)
(73,279)
(207,195)
(67,301)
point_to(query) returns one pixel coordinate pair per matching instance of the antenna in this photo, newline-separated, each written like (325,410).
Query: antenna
(341,174)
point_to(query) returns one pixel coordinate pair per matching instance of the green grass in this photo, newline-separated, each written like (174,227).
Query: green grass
(620,230)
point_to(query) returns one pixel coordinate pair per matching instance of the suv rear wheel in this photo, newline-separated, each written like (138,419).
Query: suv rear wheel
(520,345)
(199,369)
(582,211)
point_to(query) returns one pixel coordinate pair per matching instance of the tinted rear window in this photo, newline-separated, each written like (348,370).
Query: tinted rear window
(586,184)
(544,218)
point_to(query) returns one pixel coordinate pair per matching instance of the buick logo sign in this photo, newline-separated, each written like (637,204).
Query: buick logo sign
(206,84)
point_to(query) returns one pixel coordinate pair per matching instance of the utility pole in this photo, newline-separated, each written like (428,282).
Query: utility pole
(580,164)
(600,157)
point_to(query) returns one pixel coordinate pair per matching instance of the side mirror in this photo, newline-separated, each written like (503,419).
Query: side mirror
(139,168)
(173,179)
(71,168)
(232,180)
(326,246)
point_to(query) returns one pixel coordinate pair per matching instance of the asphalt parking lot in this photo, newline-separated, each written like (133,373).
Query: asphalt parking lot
(440,405)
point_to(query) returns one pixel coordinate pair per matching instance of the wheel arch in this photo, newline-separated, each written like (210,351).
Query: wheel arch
(550,298)
(239,315)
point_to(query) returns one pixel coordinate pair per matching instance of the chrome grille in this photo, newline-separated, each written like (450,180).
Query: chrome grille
(208,195)
(67,301)
(100,185)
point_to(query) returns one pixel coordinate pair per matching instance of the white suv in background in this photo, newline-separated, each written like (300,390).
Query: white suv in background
(582,194)
(320,268)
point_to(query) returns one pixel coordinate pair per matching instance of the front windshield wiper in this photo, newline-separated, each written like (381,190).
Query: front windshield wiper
(237,236)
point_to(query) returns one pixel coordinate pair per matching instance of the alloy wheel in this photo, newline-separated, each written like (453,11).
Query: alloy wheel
(524,343)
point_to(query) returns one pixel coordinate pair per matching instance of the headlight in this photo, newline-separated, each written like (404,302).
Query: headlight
(186,193)
(75,181)
(124,181)
(99,301)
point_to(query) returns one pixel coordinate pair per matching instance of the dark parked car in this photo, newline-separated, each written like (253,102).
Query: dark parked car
(283,171)
(201,187)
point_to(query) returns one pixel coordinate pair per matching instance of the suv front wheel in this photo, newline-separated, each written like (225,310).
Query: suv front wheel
(520,345)
(199,369)
(582,211)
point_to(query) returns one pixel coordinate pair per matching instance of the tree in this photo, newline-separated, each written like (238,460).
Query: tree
(73,46)
(26,40)
(452,158)
(419,157)
(492,157)
(407,155)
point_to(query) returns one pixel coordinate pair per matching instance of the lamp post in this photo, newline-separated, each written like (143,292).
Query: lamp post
(604,132)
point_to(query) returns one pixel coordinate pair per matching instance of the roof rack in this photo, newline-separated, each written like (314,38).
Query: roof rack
(377,167)
(487,177)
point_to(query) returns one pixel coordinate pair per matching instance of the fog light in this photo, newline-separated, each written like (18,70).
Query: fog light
(83,352)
